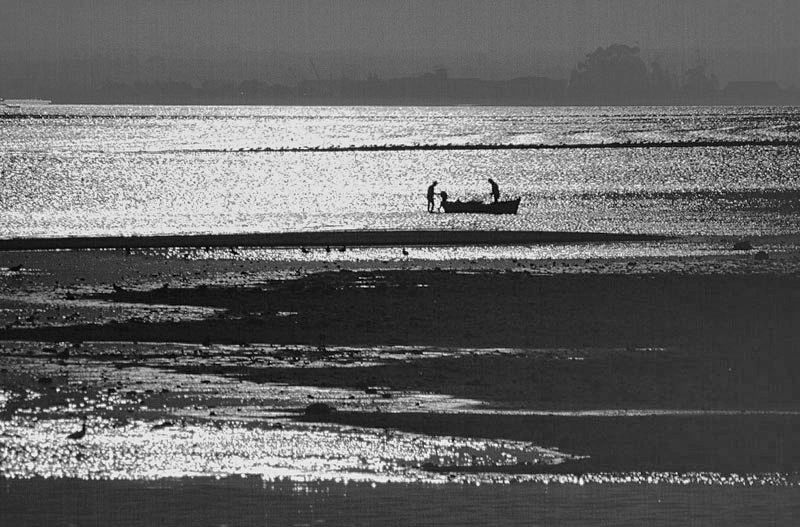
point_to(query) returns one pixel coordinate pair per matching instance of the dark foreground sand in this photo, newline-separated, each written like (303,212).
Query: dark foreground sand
(649,366)
(248,501)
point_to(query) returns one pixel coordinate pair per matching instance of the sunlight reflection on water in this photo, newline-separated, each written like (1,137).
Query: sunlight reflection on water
(214,425)
(305,453)
(179,170)
(320,452)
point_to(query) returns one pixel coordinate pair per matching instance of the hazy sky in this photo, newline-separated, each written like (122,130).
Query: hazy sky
(742,38)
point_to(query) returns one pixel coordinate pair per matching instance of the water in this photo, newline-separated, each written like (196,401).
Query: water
(106,170)
(249,501)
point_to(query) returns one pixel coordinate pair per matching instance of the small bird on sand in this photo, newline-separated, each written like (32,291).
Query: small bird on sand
(79,434)
(405,253)
(160,426)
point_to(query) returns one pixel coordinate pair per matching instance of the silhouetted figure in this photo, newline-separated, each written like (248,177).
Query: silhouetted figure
(431,194)
(79,434)
(495,190)
(442,195)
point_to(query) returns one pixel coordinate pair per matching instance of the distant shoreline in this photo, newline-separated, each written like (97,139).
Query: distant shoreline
(514,146)
(327,238)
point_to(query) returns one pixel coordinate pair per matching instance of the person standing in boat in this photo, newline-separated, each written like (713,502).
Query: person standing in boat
(495,190)
(431,194)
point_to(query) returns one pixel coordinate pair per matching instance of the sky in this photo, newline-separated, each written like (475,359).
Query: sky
(741,39)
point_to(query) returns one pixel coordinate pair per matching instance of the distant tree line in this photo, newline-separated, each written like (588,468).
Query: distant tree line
(616,74)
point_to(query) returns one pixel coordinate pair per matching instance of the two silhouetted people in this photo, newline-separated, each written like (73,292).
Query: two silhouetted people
(495,190)
(432,195)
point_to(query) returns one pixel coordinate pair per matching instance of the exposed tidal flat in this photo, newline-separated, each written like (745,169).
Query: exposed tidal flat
(641,381)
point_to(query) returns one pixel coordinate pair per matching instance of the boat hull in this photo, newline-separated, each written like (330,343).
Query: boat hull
(479,207)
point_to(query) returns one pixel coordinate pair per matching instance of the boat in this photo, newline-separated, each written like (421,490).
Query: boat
(480,207)
(7,104)
(19,103)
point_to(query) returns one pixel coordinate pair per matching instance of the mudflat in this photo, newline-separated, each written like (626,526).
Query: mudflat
(661,368)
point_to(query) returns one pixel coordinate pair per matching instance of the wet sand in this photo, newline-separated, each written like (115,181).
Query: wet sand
(310,239)
(653,368)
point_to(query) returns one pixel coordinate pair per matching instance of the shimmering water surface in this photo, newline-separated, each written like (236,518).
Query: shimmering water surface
(210,425)
(94,170)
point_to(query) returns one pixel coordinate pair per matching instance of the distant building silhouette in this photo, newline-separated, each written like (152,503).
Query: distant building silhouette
(536,90)
(753,92)
(436,88)
(615,74)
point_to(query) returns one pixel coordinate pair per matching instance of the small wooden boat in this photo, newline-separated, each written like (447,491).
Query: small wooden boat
(480,207)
